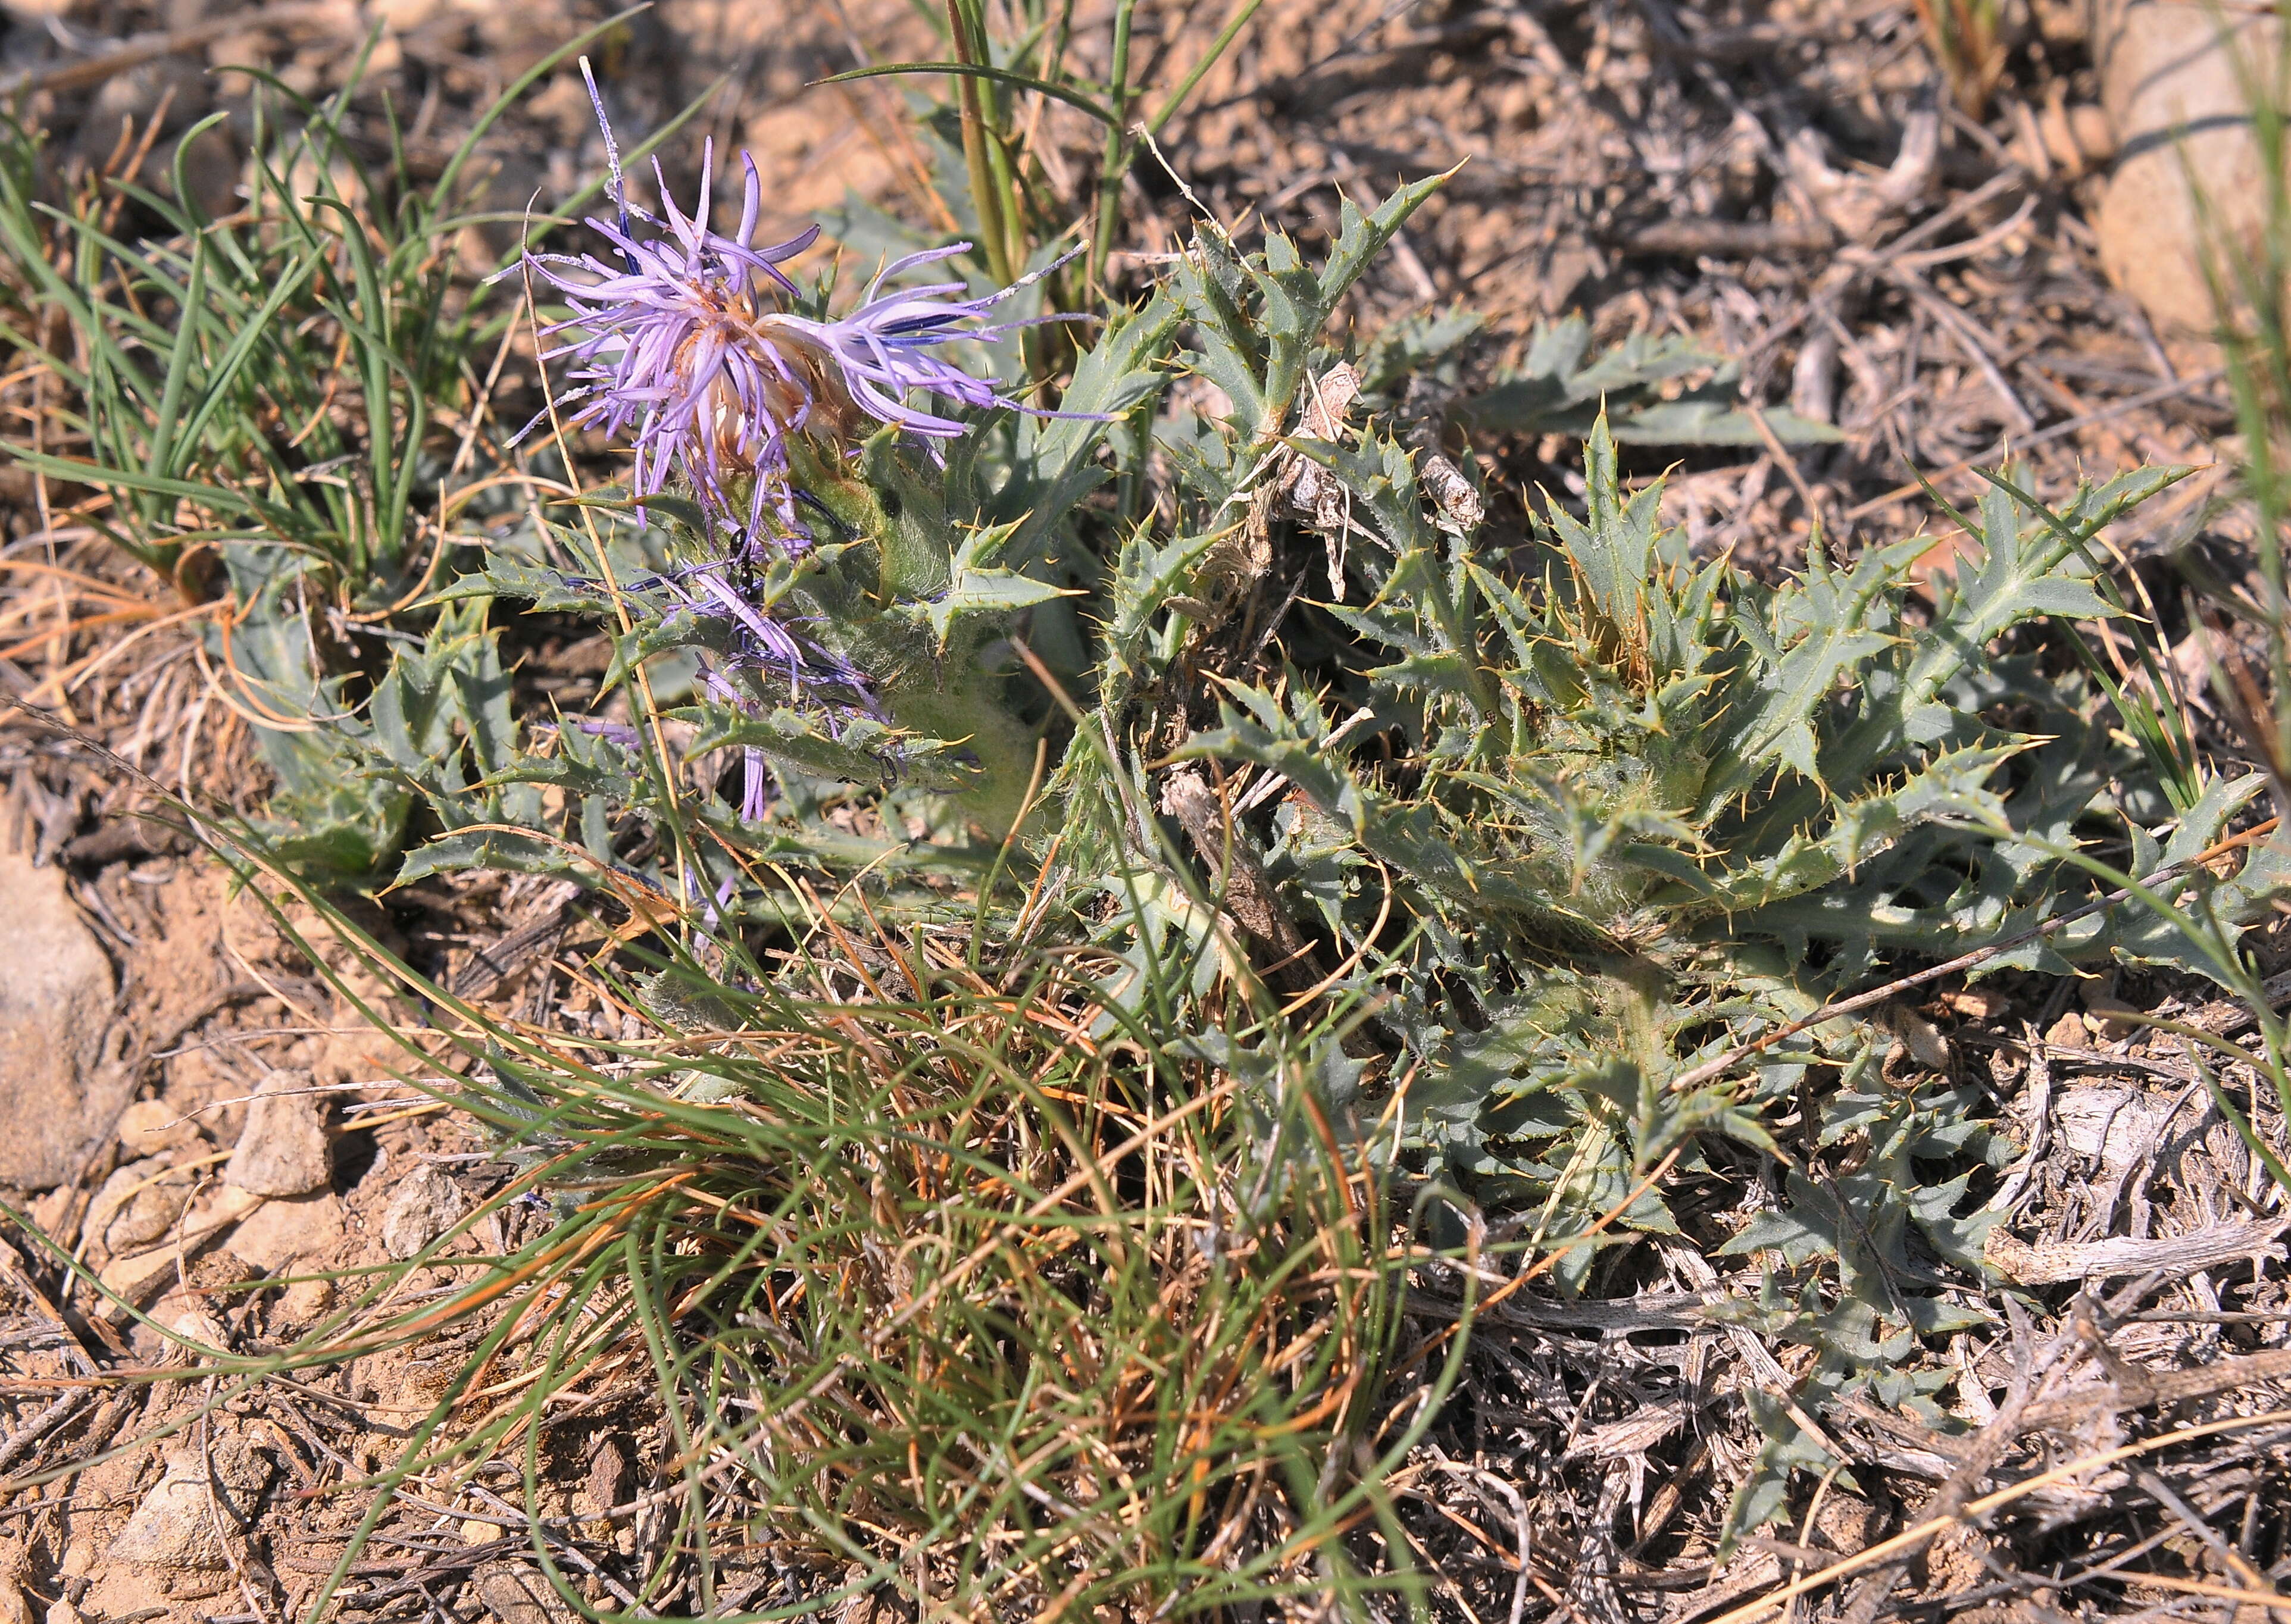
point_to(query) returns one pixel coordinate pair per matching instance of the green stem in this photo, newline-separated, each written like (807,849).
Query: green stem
(1051,67)
(1119,148)
(1218,48)
(1008,205)
(983,194)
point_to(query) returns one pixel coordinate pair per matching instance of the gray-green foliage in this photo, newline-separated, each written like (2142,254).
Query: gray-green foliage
(1617,810)
(1656,392)
(1619,793)
(1591,815)
(1587,816)
(1883,1228)
(1629,810)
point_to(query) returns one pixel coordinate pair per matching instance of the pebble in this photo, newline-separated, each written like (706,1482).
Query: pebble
(175,1525)
(425,1205)
(305,1303)
(282,1149)
(517,1594)
(2165,71)
(138,1205)
(60,1099)
(281,1231)
(151,1126)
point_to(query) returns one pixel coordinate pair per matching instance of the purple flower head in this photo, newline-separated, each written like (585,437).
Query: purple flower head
(683,346)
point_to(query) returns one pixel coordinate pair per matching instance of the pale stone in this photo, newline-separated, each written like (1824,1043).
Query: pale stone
(200,1326)
(1918,1036)
(2114,1017)
(138,1205)
(425,1205)
(280,1231)
(305,1303)
(176,1524)
(58,1098)
(142,1276)
(282,1149)
(517,1594)
(151,1126)
(2188,178)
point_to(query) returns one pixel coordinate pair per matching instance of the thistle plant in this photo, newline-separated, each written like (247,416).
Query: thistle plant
(1638,811)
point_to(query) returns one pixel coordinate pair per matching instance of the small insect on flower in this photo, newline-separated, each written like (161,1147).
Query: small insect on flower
(687,342)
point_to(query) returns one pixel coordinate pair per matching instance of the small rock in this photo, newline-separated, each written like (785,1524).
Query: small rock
(2189,179)
(147,1216)
(140,1277)
(304,1303)
(425,1205)
(175,1526)
(516,1593)
(138,1205)
(608,1480)
(151,1126)
(2114,1017)
(279,1232)
(58,1099)
(282,1149)
(1917,1035)
(2069,1032)
(200,1326)
(1976,1003)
